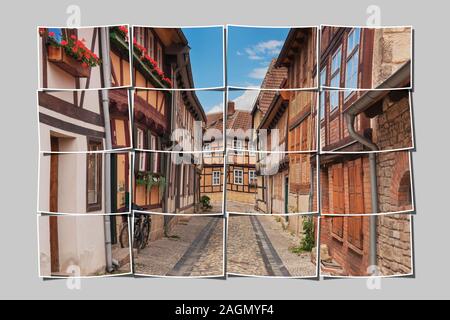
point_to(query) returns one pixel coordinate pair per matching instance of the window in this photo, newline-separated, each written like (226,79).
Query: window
(323,81)
(140,36)
(356,203)
(238,145)
(252,177)
(238,177)
(140,145)
(58,35)
(216,178)
(335,79)
(252,148)
(207,148)
(151,44)
(155,155)
(159,58)
(94,177)
(338,198)
(351,72)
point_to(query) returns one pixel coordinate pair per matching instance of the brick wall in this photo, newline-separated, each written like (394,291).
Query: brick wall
(353,260)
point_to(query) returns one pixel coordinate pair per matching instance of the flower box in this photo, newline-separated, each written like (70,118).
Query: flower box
(58,56)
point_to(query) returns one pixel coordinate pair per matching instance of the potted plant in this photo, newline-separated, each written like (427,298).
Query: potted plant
(71,55)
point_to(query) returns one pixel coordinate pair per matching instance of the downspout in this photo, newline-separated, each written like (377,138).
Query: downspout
(106,65)
(350,119)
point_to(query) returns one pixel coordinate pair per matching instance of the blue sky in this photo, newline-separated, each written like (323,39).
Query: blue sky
(207,63)
(250,51)
(206,55)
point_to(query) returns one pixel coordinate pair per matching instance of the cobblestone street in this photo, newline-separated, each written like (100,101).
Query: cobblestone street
(240,207)
(258,245)
(194,248)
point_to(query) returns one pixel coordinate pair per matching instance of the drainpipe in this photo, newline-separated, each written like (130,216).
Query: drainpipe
(106,65)
(350,119)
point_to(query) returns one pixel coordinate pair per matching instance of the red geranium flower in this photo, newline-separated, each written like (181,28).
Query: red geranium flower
(51,34)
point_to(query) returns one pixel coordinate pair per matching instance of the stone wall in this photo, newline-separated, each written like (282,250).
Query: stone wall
(393,127)
(394,245)
(392,48)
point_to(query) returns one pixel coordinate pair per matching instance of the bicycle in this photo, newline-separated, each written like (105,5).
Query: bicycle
(141,234)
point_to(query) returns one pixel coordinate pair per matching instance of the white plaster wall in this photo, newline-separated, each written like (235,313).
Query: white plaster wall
(82,243)
(44,246)
(59,79)
(71,183)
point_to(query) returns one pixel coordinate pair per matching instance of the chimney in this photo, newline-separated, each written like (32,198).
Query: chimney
(231,108)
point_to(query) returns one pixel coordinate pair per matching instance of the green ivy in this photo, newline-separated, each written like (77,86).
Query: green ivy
(308,242)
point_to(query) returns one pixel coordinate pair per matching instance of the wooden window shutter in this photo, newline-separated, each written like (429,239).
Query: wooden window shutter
(356,200)
(338,200)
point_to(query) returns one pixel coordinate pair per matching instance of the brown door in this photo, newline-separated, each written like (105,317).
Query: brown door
(54,250)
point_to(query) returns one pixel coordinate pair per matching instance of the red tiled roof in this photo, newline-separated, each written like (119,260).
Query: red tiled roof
(239,120)
(274,79)
(214,121)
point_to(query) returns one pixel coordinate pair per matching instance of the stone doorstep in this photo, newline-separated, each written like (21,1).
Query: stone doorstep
(122,255)
(332,268)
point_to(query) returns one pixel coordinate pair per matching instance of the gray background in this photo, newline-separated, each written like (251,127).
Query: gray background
(18,255)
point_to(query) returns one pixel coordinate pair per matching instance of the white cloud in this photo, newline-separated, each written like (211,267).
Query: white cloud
(258,73)
(261,50)
(246,100)
(216,109)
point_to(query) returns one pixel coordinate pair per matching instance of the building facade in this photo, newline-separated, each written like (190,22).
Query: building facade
(364,121)
(73,122)
(165,120)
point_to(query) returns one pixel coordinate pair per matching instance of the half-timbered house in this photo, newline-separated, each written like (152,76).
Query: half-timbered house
(72,58)
(164,120)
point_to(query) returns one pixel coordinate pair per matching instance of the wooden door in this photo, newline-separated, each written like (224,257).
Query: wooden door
(53,220)
(338,200)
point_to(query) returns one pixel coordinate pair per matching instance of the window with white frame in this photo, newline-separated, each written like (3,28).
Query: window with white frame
(335,79)
(323,81)
(140,145)
(216,178)
(154,146)
(352,60)
(252,177)
(238,177)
